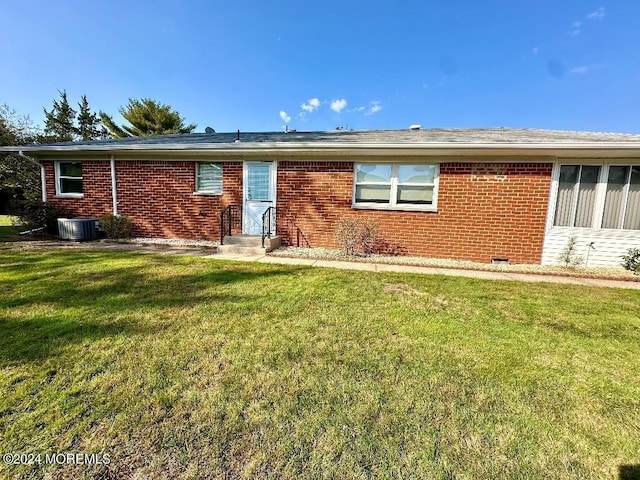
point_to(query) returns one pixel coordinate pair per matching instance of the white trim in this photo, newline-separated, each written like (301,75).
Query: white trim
(43,174)
(43,180)
(393,203)
(207,194)
(59,193)
(114,192)
(588,149)
(553,197)
(399,208)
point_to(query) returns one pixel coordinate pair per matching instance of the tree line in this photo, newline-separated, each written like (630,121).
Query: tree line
(145,117)
(20,178)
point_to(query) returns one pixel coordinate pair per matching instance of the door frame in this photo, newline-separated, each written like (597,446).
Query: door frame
(273,174)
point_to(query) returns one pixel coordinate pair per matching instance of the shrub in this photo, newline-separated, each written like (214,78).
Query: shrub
(35,215)
(631,261)
(116,226)
(356,237)
(568,255)
(359,237)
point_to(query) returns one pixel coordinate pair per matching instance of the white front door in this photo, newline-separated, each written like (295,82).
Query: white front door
(259,194)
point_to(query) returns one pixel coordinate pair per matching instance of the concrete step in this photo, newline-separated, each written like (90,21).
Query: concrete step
(248,244)
(243,240)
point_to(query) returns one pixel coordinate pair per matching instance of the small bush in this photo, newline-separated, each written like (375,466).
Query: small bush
(356,237)
(631,261)
(569,256)
(35,215)
(116,226)
(361,238)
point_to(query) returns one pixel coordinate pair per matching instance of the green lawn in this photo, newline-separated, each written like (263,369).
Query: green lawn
(180,367)
(7,228)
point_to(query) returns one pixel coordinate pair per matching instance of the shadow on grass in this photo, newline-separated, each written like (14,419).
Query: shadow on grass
(9,233)
(629,472)
(40,337)
(51,301)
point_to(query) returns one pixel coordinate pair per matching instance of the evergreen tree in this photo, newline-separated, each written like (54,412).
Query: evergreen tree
(59,122)
(19,178)
(114,130)
(146,117)
(7,136)
(89,124)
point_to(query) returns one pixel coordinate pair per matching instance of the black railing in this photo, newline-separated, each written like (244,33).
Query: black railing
(230,220)
(274,221)
(269,223)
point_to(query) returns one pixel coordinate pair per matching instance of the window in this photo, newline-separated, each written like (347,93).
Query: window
(395,186)
(209,178)
(576,195)
(582,202)
(69,179)
(258,181)
(622,199)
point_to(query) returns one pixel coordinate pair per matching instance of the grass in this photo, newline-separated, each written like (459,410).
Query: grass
(7,228)
(180,367)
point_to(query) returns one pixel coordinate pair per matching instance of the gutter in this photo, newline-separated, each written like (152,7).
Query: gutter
(282,147)
(43,177)
(114,192)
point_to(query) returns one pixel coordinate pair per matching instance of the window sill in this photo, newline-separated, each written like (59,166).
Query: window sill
(400,208)
(207,194)
(69,195)
(591,230)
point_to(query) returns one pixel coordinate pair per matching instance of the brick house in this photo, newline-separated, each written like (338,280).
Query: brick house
(469,194)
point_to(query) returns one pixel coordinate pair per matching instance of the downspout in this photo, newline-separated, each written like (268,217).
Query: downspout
(43,176)
(114,191)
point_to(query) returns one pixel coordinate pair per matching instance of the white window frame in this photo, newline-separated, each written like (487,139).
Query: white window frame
(625,197)
(576,191)
(197,191)
(59,177)
(393,200)
(601,192)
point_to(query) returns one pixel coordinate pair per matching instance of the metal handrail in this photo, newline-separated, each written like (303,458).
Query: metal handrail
(269,223)
(230,218)
(270,219)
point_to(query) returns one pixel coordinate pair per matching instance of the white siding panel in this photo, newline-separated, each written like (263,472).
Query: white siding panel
(608,245)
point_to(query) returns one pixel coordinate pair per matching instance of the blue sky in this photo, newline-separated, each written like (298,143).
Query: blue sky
(252,65)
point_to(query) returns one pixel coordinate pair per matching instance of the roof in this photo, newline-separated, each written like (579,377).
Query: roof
(436,139)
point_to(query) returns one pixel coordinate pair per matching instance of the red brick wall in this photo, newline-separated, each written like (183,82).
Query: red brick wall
(158,195)
(484,210)
(96,200)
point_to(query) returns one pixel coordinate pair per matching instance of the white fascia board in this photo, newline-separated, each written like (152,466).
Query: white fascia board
(555,149)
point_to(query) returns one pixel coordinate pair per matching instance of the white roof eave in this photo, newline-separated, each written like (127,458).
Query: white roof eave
(557,148)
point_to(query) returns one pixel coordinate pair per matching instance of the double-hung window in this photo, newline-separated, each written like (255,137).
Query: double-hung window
(209,178)
(395,186)
(598,196)
(68,179)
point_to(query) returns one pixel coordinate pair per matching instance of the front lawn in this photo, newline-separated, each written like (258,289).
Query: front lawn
(180,367)
(8,229)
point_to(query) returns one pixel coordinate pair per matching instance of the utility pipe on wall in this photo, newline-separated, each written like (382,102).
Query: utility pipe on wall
(43,176)
(114,191)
